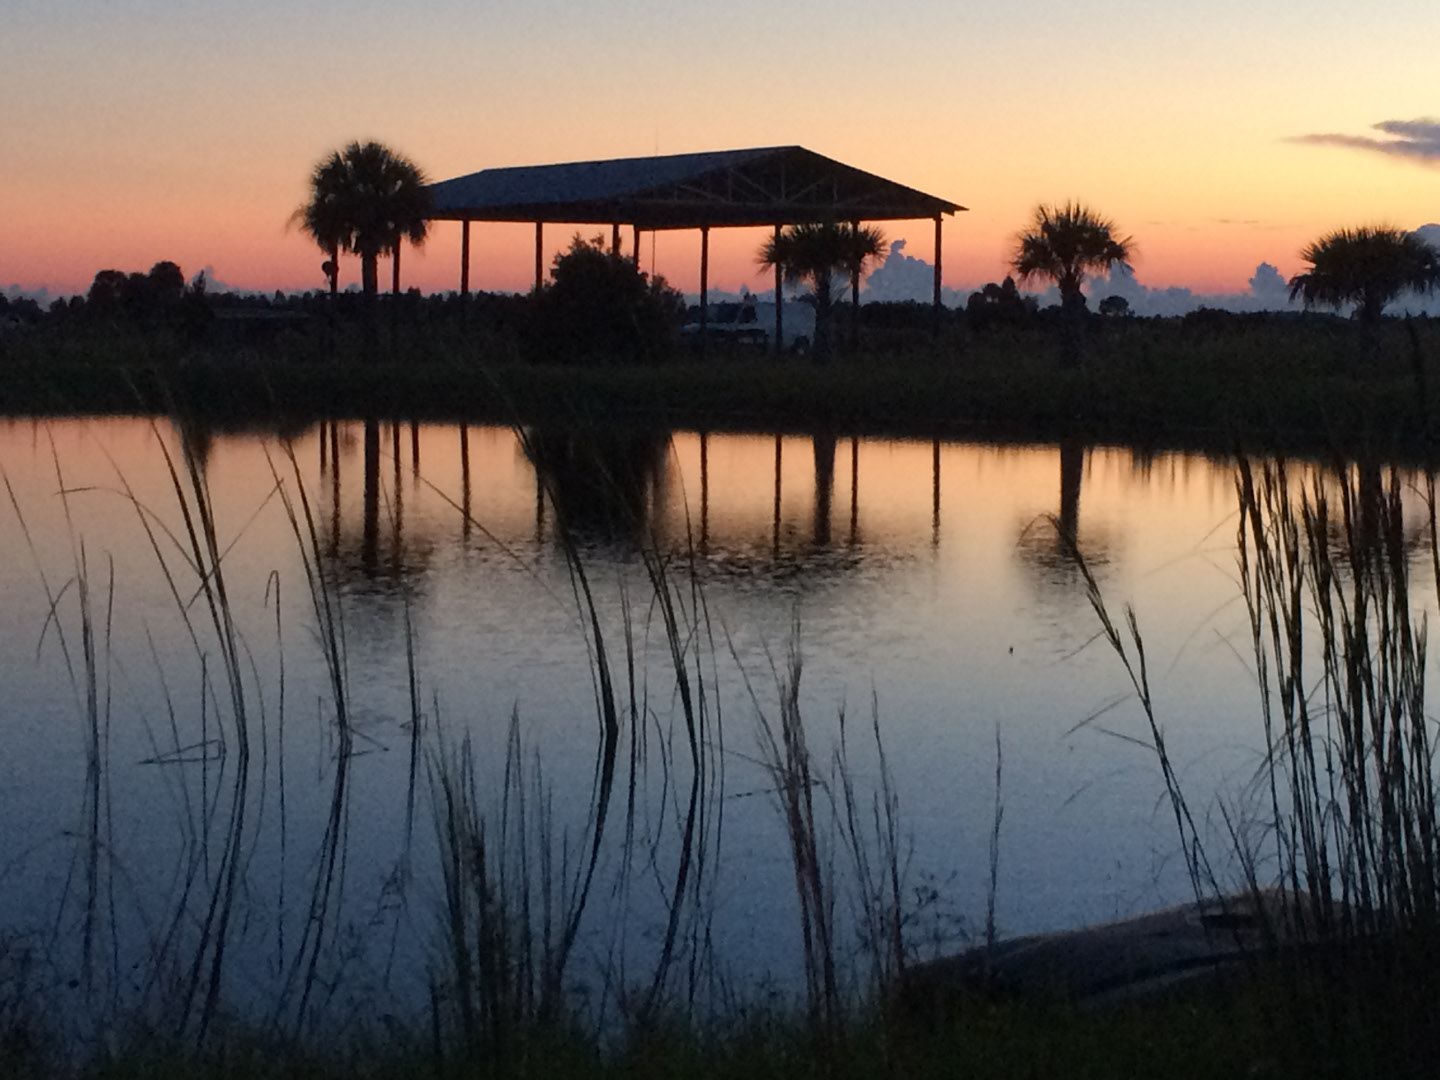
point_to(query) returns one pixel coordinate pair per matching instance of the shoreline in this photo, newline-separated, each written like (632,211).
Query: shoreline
(1383,412)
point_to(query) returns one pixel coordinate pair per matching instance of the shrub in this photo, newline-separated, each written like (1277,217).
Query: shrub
(601,308)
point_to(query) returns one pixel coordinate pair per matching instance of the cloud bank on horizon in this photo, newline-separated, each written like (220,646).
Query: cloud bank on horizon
(907,277)
(1416,140)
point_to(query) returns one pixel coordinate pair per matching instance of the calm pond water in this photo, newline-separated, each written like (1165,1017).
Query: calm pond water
(924,581)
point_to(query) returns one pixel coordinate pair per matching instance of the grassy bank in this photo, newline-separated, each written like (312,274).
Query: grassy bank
(1313,383)
(1269,1026)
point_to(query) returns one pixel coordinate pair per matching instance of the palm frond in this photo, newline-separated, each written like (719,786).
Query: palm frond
(817,252)
(1368,267)
(365,198)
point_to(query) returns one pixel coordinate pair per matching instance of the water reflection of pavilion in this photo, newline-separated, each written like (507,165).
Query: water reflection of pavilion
(602,486)
(610,486)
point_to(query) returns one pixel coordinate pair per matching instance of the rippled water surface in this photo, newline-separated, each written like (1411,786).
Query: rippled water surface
(924,580)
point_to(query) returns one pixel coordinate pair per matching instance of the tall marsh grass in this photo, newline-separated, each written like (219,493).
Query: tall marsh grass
(1335,838)
(1340,649)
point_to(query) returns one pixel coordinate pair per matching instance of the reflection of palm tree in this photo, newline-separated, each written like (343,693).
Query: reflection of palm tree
(1368,267)
(367,200)
(359,556)
(824,446)
(1048,544)
(370,542)
(813,255)
(1371,525)
(1063,244)
(1072,472)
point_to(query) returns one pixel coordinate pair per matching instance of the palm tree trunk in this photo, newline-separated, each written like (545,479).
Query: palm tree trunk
(370,275)
(1072,308)
(334,270)
(822,318)
(370,283)
(1072,346)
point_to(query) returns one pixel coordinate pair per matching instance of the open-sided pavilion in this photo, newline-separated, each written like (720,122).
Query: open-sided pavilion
(767,186)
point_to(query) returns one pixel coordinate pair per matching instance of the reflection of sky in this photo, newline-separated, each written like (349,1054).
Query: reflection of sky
(957,623)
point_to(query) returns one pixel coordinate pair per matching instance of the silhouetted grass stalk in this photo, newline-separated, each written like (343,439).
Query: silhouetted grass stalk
(1129,648)
(785,753)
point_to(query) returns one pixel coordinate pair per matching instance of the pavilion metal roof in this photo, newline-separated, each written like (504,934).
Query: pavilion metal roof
(776,185)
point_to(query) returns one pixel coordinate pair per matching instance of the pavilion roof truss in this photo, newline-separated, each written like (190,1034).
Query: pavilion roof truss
(767,186)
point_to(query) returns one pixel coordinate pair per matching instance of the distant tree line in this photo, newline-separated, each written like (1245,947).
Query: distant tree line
(150,300)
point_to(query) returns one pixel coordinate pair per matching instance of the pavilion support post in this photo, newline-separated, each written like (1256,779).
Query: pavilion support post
(704,285)
(938,254)
(395,293)
(935,494)
(370,535)
(615,239)
(704,490)
(637,246)
(465,259)
(334,491)
(465,518)
(854,487)
(779,460)
(779,303)
(397,506)
(539,255)
(855,293)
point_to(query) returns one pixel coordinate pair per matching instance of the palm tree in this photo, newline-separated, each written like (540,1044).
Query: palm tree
(815,254)
(1062,244)
(1368,267)
(367,200)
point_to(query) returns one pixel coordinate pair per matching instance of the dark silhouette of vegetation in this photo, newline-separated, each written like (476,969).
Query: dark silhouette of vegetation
(20,309)
(1368,267)
(600,308)
(1115,307)
(814,255)
(891,327)
(1063,244)
(998,305)
(147,297)
(367,200)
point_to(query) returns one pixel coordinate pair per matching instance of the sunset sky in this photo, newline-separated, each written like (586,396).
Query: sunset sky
(137,130)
